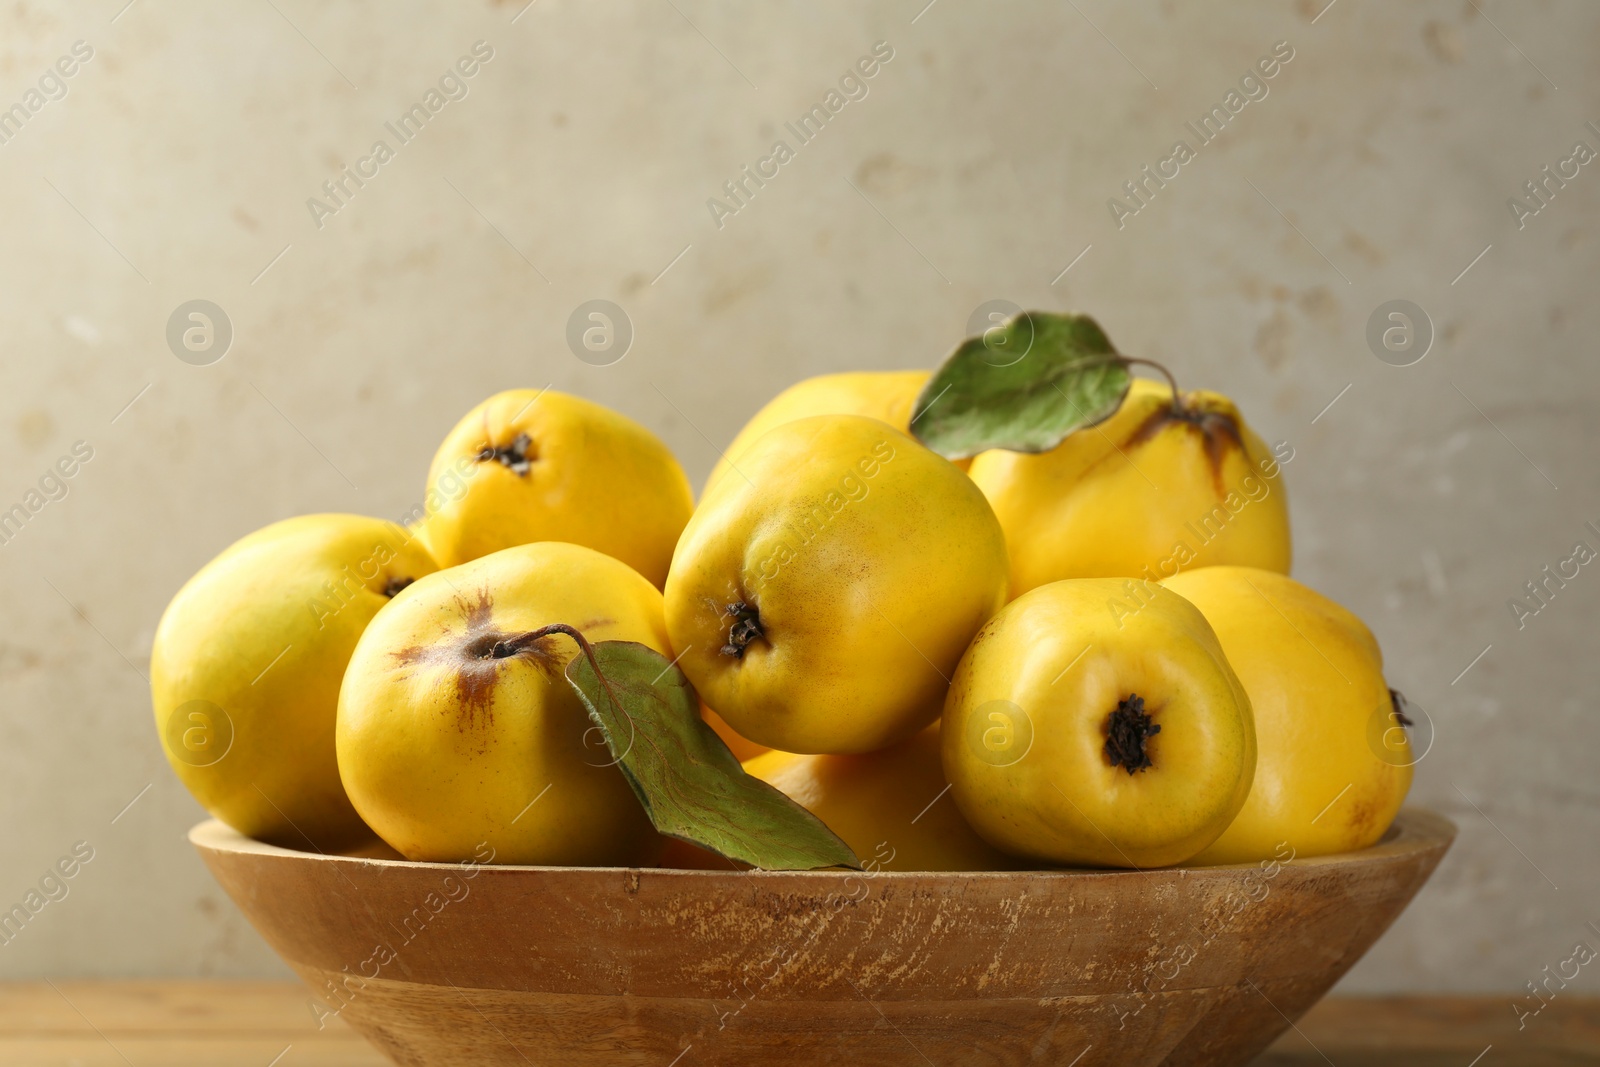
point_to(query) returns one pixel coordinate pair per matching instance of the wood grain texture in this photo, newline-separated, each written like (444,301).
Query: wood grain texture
(446,966)
(190,1024)
(171,1024)
(1441,1032)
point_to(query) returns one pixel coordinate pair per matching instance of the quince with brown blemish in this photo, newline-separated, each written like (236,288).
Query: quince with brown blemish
(1170,482)
(455,732)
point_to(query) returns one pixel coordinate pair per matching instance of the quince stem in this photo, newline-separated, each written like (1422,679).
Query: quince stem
(518,643)
(1177,397)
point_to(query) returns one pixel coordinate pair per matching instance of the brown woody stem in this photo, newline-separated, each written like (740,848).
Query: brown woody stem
(1177,398)
(517,643)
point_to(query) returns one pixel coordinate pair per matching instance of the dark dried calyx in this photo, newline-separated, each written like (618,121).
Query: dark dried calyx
(395,584)
(517,457)
(1128,728)
(1214,424)
(744,628)
(1219,433)
(1398,700)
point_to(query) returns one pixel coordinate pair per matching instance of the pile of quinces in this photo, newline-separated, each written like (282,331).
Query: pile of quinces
(1024,611)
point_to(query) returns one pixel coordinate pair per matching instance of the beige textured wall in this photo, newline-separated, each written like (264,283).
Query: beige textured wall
(178,166)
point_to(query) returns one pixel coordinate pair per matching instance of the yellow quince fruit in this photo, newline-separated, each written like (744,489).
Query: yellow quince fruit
(742,747)
(1334,763)
(529,465)
(821,596)
(459,737)
(889,806)
(1156,488)
(1077,734)
(888,396)
(246,666)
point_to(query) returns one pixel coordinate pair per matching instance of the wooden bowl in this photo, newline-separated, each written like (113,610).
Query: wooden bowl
(446,966)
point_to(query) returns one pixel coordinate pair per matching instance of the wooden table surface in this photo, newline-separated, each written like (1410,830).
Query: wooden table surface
(262,1024)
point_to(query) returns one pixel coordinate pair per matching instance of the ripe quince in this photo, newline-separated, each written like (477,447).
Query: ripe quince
(742,747)
(1161,486)
(888,805)
(888,396)
(545,466)
(1076,734)
(1334,763)
(825,589)
(456,733)
(246,666)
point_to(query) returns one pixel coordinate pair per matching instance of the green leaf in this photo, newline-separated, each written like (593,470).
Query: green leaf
(690,784)
(1023,385)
